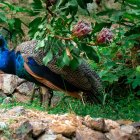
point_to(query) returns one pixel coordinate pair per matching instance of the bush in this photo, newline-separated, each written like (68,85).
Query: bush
(109,37)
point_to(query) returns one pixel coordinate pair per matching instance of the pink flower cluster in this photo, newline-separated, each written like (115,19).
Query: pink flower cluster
(105,36)
(81,29)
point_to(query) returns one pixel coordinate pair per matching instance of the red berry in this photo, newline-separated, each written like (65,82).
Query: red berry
(81,29)
(105,36)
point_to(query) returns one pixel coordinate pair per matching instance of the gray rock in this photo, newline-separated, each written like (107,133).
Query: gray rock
(8,83)
(2,95)
(85,133)
(117,134)
(18,110)
(52,137)
(21,98)
(128,129)
(38,128)
(24,131)
(25,88)
(48,137)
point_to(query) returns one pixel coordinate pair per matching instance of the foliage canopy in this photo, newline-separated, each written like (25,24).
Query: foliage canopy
(52,23)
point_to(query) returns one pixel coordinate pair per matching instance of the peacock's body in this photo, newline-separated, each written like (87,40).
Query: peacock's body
(26,62)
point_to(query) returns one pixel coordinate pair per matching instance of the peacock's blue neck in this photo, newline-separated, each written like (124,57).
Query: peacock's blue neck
(20,70)
(12,62)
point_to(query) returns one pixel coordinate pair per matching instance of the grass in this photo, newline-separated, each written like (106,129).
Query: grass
(126,108)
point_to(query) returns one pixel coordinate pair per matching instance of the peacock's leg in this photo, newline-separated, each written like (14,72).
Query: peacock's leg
(46,96)
(50,96)
(35,87)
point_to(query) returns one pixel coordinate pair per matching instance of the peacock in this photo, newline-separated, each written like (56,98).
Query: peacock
(26,62)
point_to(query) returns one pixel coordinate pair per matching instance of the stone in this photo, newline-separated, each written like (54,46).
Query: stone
(110,124)
(24,131)
(124,122)
(98,124)
(129,129)
(2,95)
(55,100)
(61,137)
(117,134)
(52,137)
(20,81)
(48,137)
(136,125)
(25,88)
(8,83)
(17,111)
(38,128)
(21,98)
(85,133)
(63,128)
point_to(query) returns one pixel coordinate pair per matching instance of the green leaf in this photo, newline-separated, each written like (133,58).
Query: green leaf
(37,6)
(82,4)
(133,2)
(36,22)
(62,3)
(138,68)
(90,52)
(75,63)
(47,58)
(73,7)
(3,17)
(99,26)
(65,59)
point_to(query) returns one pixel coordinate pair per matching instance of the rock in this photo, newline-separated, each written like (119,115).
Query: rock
(55,100)
(25,88)
(16,111)
(136,125)
(52,137)
(21,98)
(65,129)
(1,80)
(128,129)
(117,134)
(7,100)
(24,131)
(20,81)
(2,95)
(124,122)
(98,124)
(110,124)
(48,137)
(60,137)
(8,83)
(38,128)
(84,133)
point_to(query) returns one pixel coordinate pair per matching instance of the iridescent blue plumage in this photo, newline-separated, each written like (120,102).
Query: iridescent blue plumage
(12,62)
(6,57)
